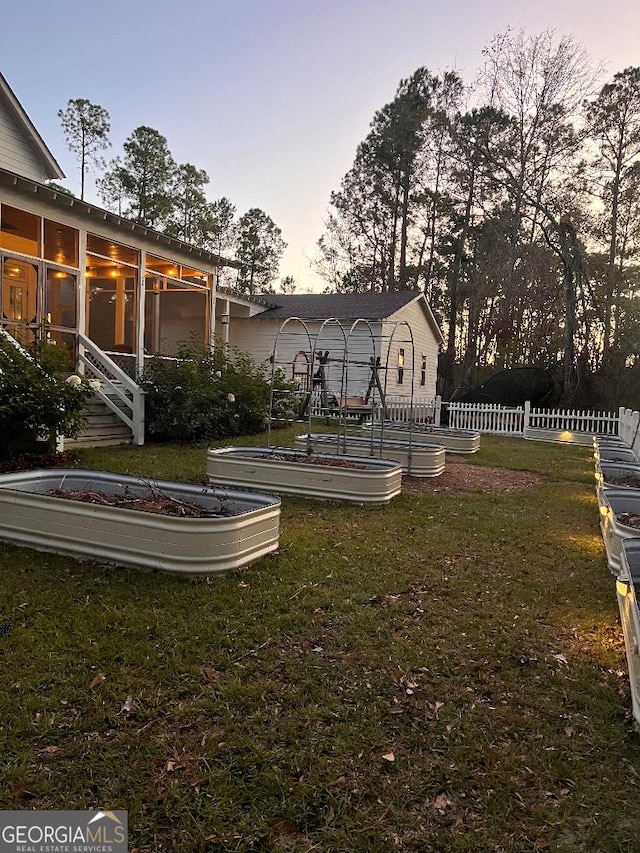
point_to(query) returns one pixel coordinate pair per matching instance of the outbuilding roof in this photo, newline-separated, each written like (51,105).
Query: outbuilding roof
(341,306)
(346,306)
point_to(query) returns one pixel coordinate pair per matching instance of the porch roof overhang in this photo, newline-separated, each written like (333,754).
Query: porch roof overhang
(94,214)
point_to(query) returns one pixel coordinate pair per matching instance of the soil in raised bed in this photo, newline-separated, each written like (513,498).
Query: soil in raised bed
(158,503)
(310,459)
(627,481)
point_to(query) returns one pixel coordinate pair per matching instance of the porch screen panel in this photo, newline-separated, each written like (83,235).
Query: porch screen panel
(20,231)
(111,309)
(174,314)
(60,243)
(60,299)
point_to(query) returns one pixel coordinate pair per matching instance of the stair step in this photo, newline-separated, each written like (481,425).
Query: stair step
(102,429)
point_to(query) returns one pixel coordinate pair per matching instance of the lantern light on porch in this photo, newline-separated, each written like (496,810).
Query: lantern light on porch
(224,319)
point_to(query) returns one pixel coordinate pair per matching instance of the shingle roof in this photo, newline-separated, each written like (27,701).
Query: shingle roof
(341,306)
(52,195)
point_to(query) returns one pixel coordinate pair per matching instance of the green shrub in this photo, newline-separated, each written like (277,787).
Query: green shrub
(206,394)
(34,400)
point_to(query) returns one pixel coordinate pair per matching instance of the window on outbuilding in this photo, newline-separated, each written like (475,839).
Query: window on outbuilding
(400,366)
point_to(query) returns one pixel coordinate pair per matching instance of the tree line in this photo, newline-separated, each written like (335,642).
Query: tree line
(514,205)
(145,184)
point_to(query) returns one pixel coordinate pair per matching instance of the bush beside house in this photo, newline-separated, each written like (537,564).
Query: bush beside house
(36,400)
(206,394)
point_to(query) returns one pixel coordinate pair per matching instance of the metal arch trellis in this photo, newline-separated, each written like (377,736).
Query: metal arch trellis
(275,365)
(328,323)
(373,363)
(396,325)
(313,344)
(348,342)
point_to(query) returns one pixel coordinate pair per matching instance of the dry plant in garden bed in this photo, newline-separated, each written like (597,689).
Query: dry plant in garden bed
(461,478)
(310,459)
(629,519)
(156,502)
(627,481)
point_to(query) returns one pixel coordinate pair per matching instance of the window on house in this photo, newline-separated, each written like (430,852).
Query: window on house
(400,366)
(423,371)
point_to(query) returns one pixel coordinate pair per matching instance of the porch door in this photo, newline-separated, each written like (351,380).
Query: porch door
(19,298)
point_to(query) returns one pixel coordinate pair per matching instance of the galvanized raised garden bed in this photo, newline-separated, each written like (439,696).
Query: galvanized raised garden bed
(240,527)
(617,506)
(453,440)
(292,472)
(628,593)
(417,459)
(616,453)
(616,475)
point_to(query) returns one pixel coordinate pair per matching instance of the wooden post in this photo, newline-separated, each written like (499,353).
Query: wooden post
(140,314)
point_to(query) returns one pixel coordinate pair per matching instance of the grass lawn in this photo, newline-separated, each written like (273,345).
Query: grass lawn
(443,674)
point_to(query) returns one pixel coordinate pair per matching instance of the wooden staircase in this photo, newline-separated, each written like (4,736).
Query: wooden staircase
(103,428)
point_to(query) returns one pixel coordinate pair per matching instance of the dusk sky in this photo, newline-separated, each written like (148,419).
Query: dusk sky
(270,97)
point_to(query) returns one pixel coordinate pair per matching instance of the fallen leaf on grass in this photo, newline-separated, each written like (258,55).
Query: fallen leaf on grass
(283,825)
(210,674)
(441,803)
(51,749)
(389,756)
(97,680)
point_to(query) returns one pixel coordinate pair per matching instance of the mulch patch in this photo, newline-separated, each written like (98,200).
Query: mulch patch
(460,478)
(35,461)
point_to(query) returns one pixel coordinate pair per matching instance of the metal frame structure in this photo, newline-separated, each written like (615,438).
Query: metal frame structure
(355,351)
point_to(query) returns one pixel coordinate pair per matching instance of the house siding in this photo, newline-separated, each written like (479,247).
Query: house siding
(257,337)
(17,155)
(424,342)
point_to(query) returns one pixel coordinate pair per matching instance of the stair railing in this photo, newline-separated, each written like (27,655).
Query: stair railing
(117,390)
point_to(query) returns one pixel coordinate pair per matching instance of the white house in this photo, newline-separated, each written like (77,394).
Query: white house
(114,292)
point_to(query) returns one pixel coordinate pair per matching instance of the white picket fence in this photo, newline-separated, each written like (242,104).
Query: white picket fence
(570,425)
(486,417)
(629,428)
